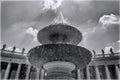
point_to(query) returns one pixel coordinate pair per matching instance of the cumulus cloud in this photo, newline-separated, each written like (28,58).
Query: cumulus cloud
(107,49)
(32,32)
(118,41)
(18,50)
(118,51)
(109,19)
(23,28)
(87,32)
(118,46)
(23,24)
(11,48)
(114,45)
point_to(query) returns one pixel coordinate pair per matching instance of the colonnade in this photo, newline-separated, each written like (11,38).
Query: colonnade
(40,73)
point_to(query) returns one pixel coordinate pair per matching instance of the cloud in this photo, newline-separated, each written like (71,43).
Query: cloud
(118,41)
(107,49)
(109,19)
(88,32)
(23,28)
(114,45)
(99,37)
(118,51)
(11,48)
(32,32)
(18,50)
(23,24)
(118,46)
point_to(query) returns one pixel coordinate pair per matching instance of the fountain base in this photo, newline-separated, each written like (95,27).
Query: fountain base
(59,70)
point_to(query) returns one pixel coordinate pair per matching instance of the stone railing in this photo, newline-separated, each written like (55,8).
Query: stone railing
(13,51)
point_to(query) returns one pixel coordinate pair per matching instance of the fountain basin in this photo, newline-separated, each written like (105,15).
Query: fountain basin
(59,33)
(77,55)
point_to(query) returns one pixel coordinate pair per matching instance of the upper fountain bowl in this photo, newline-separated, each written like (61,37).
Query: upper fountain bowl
(59,33)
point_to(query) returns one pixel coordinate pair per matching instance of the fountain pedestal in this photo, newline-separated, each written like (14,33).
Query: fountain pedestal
(58,70)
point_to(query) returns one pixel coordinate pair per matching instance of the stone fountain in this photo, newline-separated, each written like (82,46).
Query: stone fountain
(59,53)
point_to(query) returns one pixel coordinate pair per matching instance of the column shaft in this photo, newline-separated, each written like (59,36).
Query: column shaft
(117,72)
(0,73)
(18,71)
(7,71)
(28,71)
(97,72)
(107,72)
(42,73)
(78,74)
(38,73)
(87,72)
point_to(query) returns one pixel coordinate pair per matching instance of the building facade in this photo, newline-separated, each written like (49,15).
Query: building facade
(15,65)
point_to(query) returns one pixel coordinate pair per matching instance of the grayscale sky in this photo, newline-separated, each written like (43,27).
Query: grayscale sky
(97,20)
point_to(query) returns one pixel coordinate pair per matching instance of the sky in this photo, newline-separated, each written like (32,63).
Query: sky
(97,20)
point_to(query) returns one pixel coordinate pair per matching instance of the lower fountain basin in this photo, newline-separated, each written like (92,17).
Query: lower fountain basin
(40,55)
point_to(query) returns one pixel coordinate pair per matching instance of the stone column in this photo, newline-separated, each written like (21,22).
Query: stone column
(0,73)
(18,71)
(7,71)
(117,72)
(42,73)
(87,72)
(78,74)
(107,72)
(97,72)
(28,72)
(37,73)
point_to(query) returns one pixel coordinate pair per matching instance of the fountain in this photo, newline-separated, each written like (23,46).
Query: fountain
(59,54)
